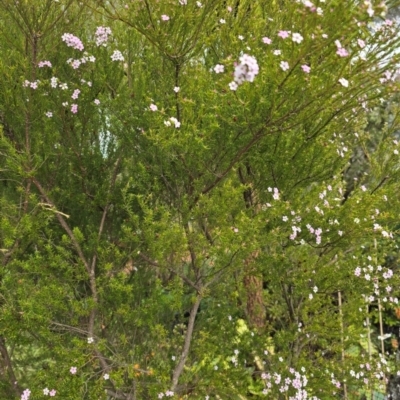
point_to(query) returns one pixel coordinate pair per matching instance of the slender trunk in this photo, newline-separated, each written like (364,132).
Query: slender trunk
(8,367)
(255,308)
(186,347)
(342,338)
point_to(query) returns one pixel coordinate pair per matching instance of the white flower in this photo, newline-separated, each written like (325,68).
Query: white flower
(284,65)
(297,38)
(246,70)
(117,56)
(219,69)
(233,86)
(175,122)
(222,21)
(53,82)
(106,376)
(46,391)
(153,107)
(49,114)
(176,89)
(90,340)
(276,52)
(344,82)
(198,4)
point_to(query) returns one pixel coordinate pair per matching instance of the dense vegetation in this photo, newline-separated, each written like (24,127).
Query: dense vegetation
(198,199)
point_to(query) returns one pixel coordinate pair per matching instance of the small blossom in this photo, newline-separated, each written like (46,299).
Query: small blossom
(117,56)
(96,101)
(177,89)
(46,391)
(284,65)
(49,114)
(52,393)
(297,38)
(106,376)
(342,52)
(266,40)
(75,95)
(165,17)
(233,86)
(222,21)
(344,82)
(153,107)
(276,52)
(283,34)
(219,69)
(306,68)
(361,43)
(89,339)
(73,370)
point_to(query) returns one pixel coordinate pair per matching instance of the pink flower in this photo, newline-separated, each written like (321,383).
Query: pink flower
(283,34)
(153,107)
(102,34)
(306,68)
(97,102)
(73,370)
(74,108)
(75,95)
(266,40)
(361,43)
(72,41)
(52,393)
(165,17)
(44,64)
(342,52)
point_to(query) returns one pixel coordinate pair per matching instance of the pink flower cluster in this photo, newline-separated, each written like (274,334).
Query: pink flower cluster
(341,51)
(44,64)
(245,71)
(75,64)
(102,34)
(32,85)
(72,41)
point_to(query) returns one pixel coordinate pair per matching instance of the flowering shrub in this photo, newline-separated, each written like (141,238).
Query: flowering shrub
(215,216)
